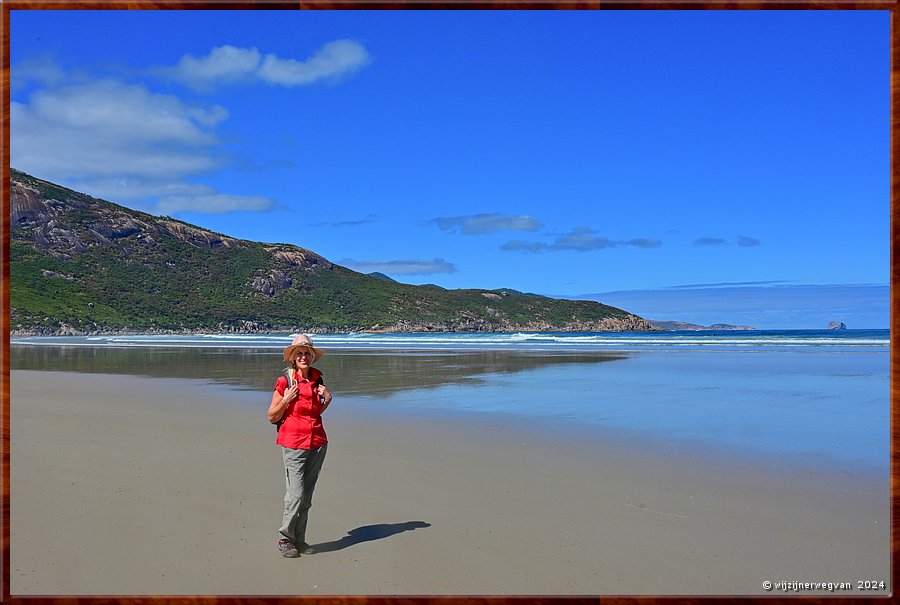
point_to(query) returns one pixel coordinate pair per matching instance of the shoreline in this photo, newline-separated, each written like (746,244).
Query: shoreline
(606,325)
(172,486)
(48,332)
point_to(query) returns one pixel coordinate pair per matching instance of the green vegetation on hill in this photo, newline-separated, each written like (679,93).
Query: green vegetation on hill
(79,264)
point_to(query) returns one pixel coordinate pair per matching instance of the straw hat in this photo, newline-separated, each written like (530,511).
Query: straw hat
(302,341)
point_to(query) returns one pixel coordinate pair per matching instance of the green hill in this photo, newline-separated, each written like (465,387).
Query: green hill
(84,265)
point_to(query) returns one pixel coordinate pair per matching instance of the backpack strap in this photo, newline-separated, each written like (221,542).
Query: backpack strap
(289,372)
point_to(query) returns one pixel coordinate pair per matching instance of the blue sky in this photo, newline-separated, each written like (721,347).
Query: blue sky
(702,166)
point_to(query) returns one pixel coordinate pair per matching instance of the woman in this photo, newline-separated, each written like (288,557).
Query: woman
(298,401)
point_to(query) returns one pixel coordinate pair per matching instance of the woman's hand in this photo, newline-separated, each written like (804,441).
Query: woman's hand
(280,403)
(291,393)
(324,396)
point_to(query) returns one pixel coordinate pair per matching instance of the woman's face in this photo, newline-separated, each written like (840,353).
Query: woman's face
(303,359)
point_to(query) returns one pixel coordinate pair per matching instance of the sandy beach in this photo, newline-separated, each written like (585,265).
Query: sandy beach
(139,485)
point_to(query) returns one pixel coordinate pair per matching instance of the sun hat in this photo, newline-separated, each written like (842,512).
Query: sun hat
(302,341)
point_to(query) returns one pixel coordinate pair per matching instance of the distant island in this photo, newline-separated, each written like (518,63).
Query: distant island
(81,265)
(680,325)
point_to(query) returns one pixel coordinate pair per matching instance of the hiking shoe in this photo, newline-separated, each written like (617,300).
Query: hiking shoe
(287,548)
(306,549)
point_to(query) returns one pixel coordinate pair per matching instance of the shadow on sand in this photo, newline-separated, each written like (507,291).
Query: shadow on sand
(367,533)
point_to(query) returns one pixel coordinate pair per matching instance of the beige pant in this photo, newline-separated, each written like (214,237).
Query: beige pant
(301,469)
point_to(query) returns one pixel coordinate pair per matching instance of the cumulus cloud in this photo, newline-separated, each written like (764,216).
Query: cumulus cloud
(127,189)
(336,58)
(517,245)
(479,224)
(215,203)
(709,241)
(400,267)
(41,70)
(226,65)
(728,284)
(348,223)
(742,240)
(171,197)
(124,143)
(223,64)
(580,239)
(111,129)
(644,243)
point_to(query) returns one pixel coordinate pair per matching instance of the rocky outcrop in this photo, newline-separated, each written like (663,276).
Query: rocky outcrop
(288,257)
(272,283)
(200,238)
(837,325)
(50,224)
(285,261)
(631,323)
(115,227)
(253,327)
(26,207)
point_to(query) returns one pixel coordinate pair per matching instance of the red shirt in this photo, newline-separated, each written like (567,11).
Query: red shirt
(302,427)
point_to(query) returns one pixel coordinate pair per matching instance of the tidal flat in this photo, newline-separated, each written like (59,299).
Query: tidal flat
(452,472)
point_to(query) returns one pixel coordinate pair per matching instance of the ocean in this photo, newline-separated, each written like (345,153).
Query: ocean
(579,341)
(807,397)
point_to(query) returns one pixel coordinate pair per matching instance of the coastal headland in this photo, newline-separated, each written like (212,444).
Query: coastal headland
(81,265)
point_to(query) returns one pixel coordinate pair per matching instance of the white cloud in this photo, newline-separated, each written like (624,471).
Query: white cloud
(223,64)
(110,109)
(517,245)
(42,70)
(400,267)
(644,243)
(213,204)
(130,189)
(582,239)
(172,197)
(124,143)
(111,129)
(747,242)
(478,224)
(710,241)
(230,65)
(334,59)
(579,239)
(727,284)
(348,223)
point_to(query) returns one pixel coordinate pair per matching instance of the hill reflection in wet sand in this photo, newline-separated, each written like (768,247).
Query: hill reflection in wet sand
(368,372)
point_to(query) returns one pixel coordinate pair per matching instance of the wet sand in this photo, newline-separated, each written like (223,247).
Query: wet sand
(148,485)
